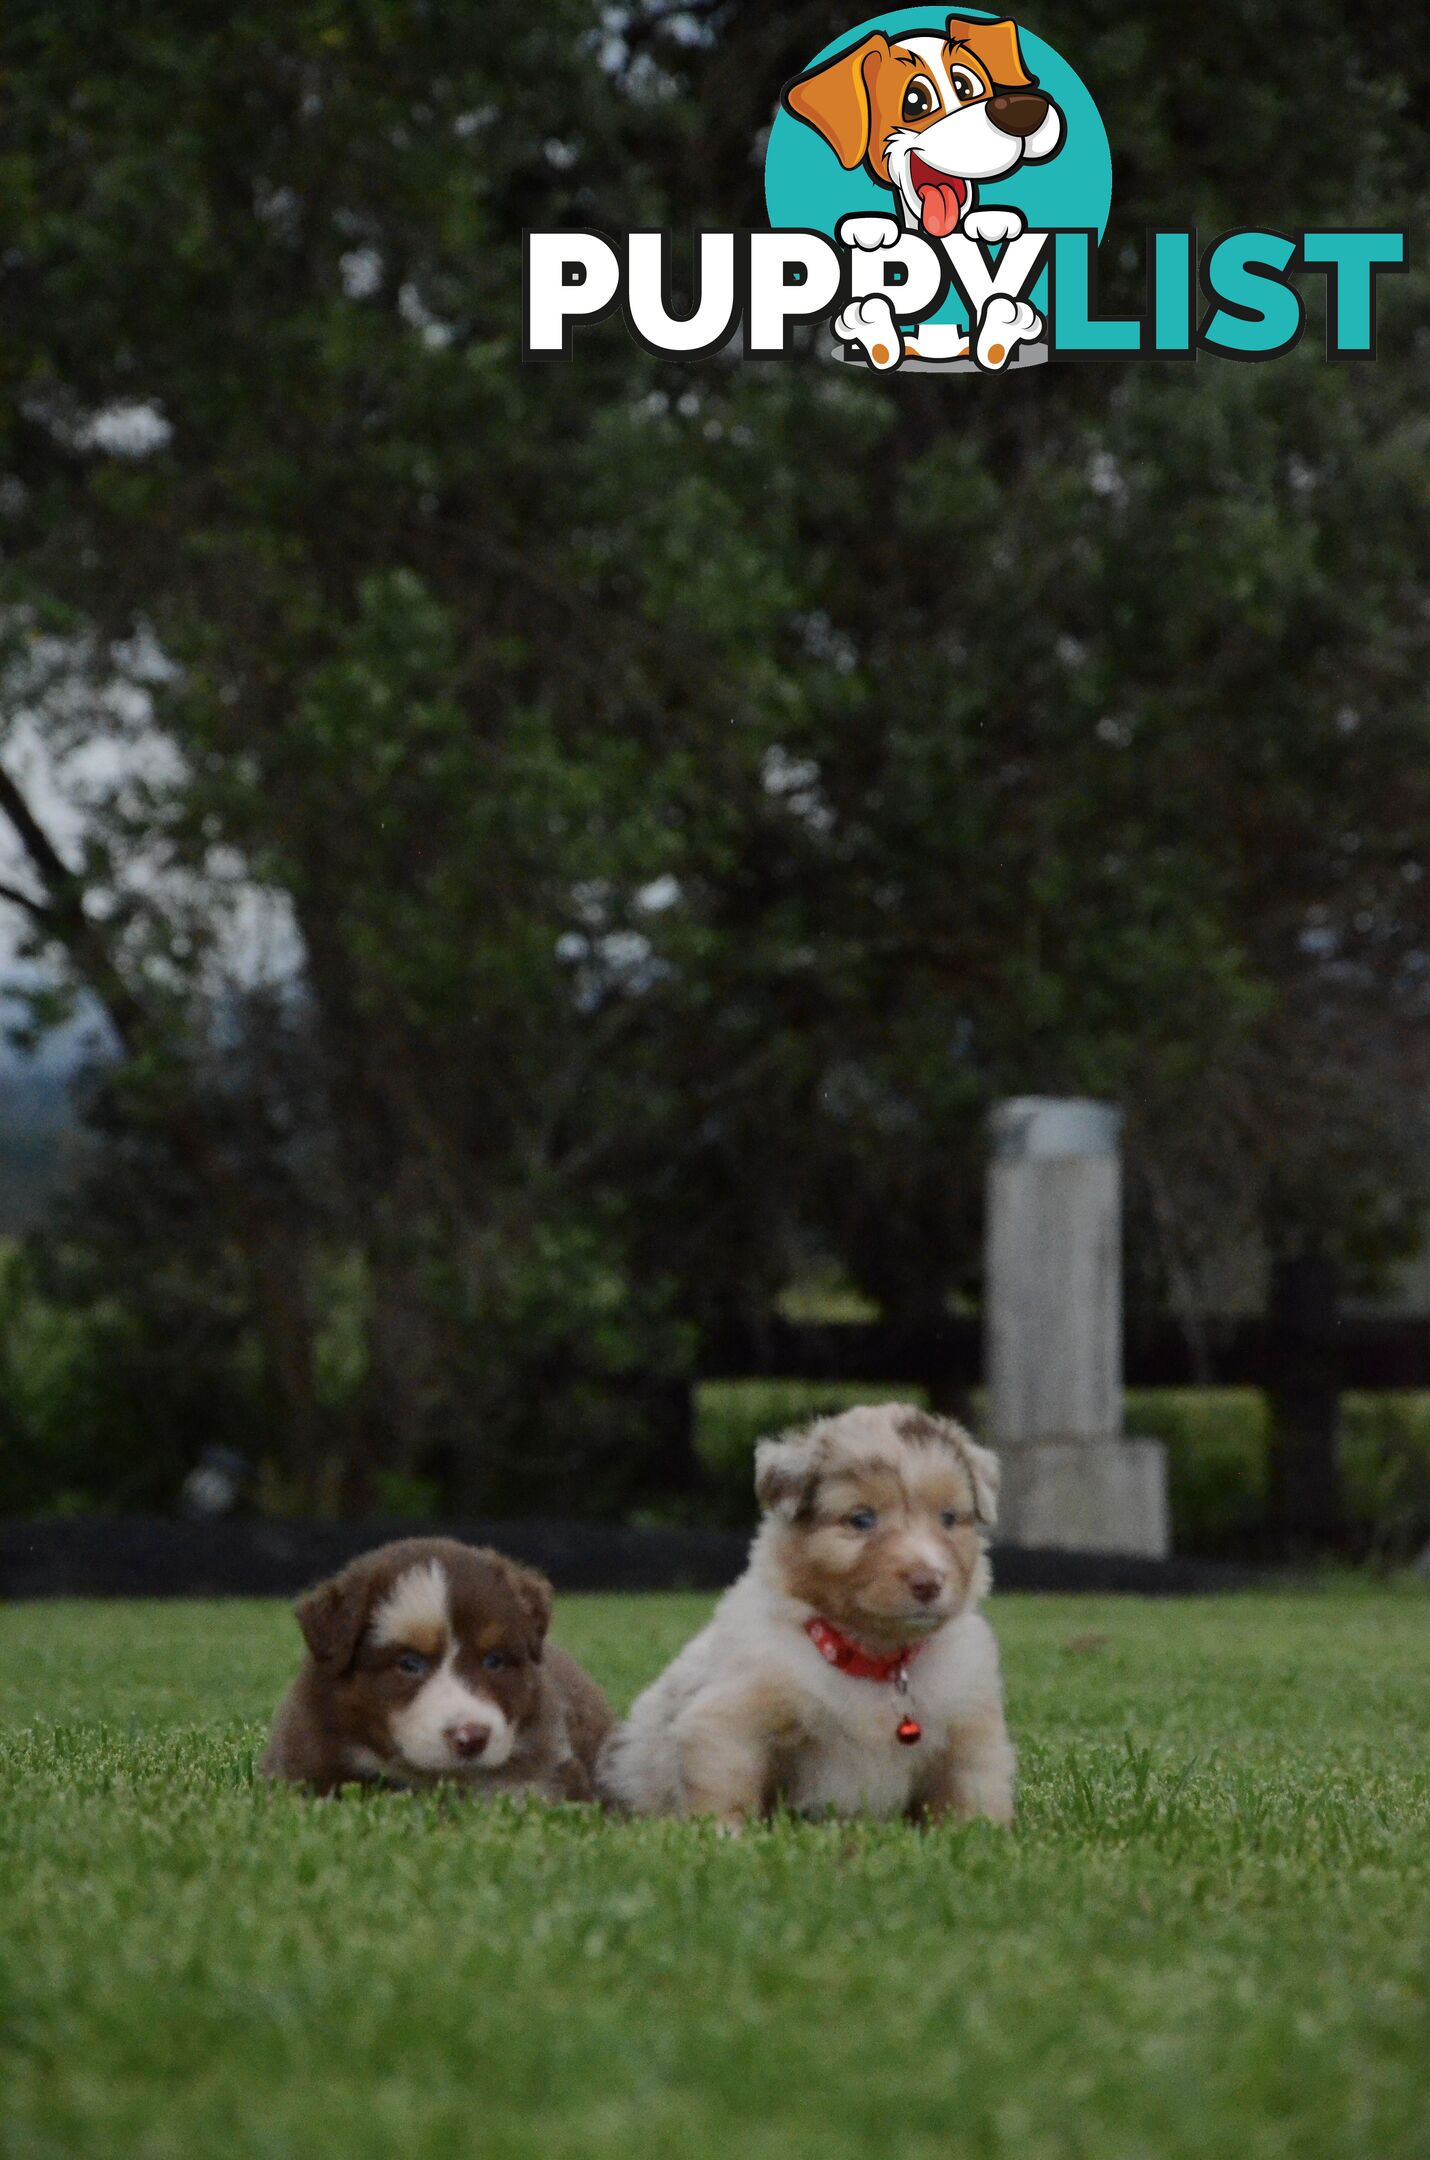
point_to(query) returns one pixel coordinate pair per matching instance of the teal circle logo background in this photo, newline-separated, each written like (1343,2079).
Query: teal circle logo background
(805,184)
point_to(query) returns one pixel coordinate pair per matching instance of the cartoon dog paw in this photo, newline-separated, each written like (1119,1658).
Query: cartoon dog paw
(870,323)
(1005,325)
(992,226)
(867,232)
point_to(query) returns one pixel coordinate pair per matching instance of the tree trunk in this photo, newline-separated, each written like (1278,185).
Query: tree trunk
(273,1254)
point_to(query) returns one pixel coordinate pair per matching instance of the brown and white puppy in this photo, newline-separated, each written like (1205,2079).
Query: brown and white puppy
(428,1661)
(930,118)
(848,1670)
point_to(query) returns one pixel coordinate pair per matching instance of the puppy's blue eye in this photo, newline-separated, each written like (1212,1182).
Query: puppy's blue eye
(863,1518)
(495,1659)
(412,1661)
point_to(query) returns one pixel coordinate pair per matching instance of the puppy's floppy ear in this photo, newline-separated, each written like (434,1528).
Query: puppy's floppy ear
(987,1475)
(333,1615)
(835,98)
(996,45)
(984,1471)
(535,1596)
(786,1472)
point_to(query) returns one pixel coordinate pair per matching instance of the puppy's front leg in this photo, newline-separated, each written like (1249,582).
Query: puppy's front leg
(726,1738)
(871,325)
(972,1774)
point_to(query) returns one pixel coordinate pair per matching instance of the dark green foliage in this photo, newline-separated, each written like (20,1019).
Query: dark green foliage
(1066,733)
(1218,1448)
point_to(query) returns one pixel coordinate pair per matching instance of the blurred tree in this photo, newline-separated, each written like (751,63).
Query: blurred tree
(690,793)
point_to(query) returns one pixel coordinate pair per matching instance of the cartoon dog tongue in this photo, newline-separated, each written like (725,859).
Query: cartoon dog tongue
(940,201)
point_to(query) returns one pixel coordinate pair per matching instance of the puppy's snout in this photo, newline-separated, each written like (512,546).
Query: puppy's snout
(1018,112)
(925,1585)
(467,1741)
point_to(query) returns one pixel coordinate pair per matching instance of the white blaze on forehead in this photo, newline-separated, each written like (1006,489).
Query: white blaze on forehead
(416,1604)
(933,54)
(963,142)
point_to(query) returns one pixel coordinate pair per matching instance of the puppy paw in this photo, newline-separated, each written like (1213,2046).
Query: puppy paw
(1006,324)
(867,232)
(993,225)
(870,324)
(570,1780)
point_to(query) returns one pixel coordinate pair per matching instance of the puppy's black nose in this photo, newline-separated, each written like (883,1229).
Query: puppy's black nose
(1018,112)
(467,1741)
(926,1587)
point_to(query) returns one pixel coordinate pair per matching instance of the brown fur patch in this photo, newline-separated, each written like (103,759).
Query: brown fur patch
(431,1641)
(922,1429)
(993,45)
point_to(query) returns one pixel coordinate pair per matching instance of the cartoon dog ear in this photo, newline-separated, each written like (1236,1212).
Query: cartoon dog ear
(835,98)
(332,1617)
(996,45)
(786,1471)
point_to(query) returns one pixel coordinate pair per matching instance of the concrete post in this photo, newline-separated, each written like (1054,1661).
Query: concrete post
(1053,1321)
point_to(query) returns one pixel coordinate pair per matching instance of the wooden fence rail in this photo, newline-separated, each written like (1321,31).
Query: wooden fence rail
(1305,1353)
(1365,1354)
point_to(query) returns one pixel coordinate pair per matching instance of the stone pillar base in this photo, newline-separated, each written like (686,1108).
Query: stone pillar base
(1107,1496)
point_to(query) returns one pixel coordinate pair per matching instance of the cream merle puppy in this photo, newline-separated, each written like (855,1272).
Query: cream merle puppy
(848,1670)
(428,1661)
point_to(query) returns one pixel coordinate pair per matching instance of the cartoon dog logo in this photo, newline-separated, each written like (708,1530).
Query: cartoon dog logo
(932,118)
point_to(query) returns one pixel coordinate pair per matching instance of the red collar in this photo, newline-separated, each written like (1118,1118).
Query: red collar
(841,1650)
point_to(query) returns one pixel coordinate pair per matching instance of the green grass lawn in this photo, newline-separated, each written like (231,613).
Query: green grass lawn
(1208,1935)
